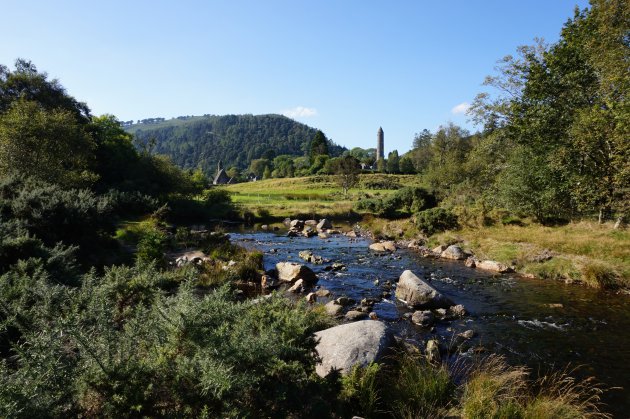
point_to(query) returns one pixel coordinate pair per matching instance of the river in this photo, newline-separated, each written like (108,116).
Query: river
(546,325)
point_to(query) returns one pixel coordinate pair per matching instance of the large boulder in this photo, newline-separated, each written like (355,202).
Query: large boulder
(387,246)
(491,265)
(291,271)
(359,343)
(453,252)
(324,224)
(415,292)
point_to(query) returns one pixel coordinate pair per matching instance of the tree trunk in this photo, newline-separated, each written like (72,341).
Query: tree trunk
(600,219)
(618,223)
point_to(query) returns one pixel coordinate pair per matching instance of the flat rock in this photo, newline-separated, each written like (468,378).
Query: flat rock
(415,292)
(491,265)
(291,271)
(386,246)
(358,343)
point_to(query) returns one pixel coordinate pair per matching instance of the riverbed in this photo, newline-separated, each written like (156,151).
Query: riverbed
(546,325)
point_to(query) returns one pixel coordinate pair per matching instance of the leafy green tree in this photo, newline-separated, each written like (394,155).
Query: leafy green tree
(26,83)
(406,165)
(347,169)
(381,165)
(393,162)
(267,173)
(319,145)
(258,166)
(48,144)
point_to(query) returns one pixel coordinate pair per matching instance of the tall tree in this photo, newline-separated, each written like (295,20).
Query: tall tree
(319,145)
(47,144)
(346,169)
(393,162)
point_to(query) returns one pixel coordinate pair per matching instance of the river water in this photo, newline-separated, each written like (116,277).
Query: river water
(545,325)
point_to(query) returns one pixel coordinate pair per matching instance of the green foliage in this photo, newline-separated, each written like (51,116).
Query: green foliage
(50,145)
(346,170)
(120,346)
(361,390)
(435,220)
(318,146)
(151,247)
(406,200)
(393,162)
(51,214)
(420,389)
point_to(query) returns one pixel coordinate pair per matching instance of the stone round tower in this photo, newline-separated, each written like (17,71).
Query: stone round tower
(380,144)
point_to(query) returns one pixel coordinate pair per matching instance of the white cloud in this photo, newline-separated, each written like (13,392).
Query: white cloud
(300,112)
(461,108)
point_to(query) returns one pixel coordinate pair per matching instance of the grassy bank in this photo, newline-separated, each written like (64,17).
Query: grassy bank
(586,251)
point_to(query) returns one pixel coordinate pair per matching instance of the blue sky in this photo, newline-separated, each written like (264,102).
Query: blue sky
(343,66)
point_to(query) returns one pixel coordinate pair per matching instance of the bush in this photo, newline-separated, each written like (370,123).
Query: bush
(405,200)
(435,220)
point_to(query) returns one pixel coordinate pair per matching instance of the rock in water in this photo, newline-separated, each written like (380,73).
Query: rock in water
(359,343)
(417,293)
(453,252)
(291,271)
(491,265)
(324,224)
(353,315)
(388,246)
(333,308)
(423,318)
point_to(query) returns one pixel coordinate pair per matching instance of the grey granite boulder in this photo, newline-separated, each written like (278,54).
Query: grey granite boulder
(359,343)
(415,292)
(290,272)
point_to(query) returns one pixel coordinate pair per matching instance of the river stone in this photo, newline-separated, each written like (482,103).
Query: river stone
(491,265)
(470,262)
(432,351)
(453,252)
(311,297)
(351,233)
(322,292)
(310,222)
(387,246)
(297,224)
(417,293)
(324,224)
(333,309)
(322,235)
(358,343)
(353,315)
(457,311)
(291,271)
(423,318)
(439,249)
(298,286)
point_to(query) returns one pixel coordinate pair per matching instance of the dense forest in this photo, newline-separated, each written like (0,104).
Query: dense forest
(236,140)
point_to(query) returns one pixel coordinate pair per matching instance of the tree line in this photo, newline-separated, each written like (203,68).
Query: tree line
(555,143)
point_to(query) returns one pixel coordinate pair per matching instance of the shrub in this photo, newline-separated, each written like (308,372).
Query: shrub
(361,390)
(434,220)
(419,389)
(151,247)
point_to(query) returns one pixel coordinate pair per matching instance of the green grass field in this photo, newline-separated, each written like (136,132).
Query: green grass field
(315,195)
